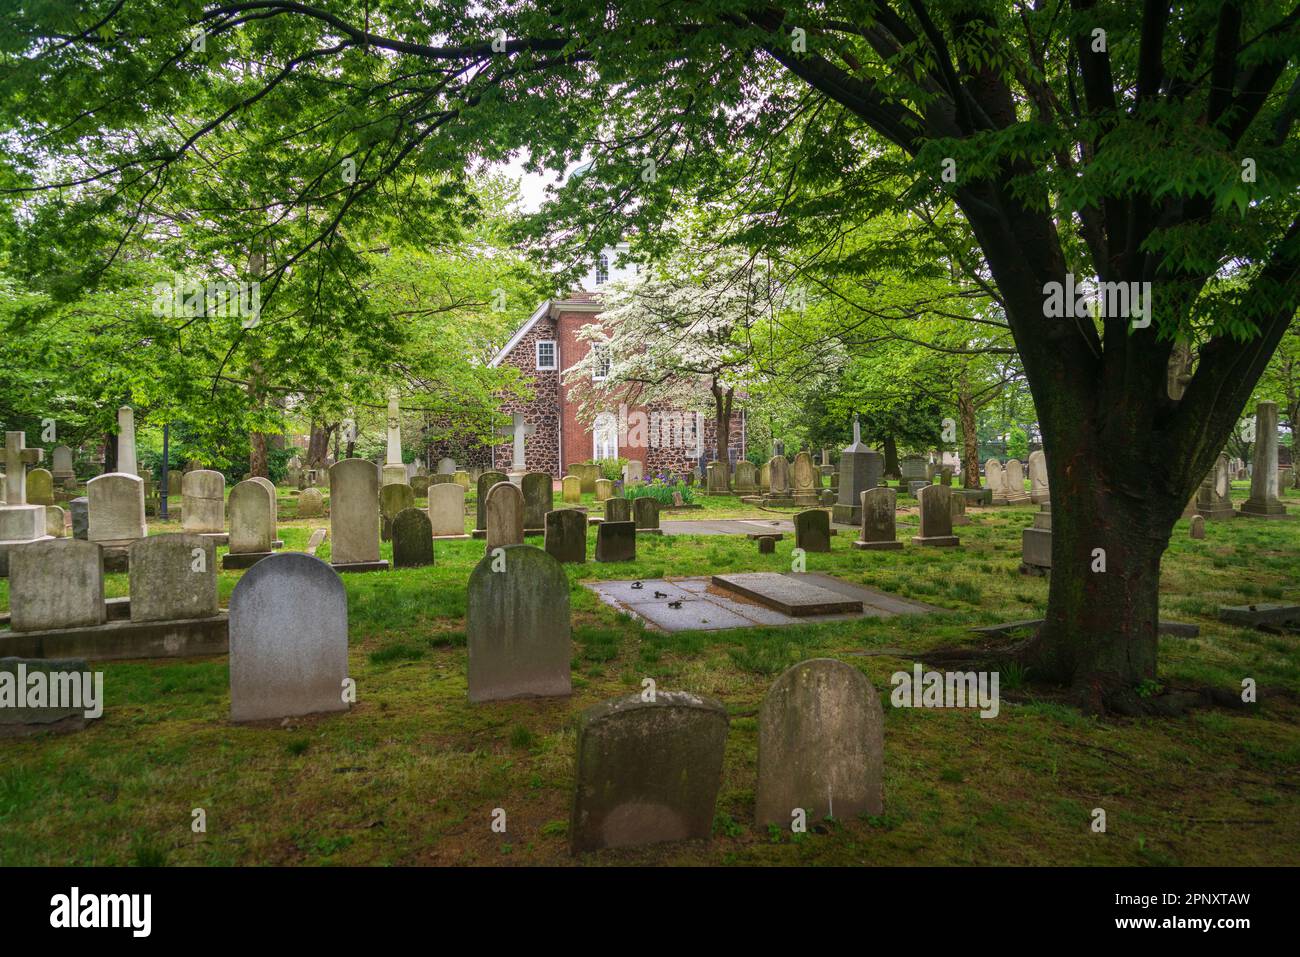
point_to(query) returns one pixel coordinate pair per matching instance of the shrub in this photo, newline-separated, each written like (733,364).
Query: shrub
(660,491)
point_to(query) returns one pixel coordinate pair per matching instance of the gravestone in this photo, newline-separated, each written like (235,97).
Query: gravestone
(267,484)
(61,466)
(539,498)
(566,535)
(812,530)
(645,513)
(517,625)
(604,489)
(447,511)
(618,509)
(719,478)
(936,517)
(616,541)
(571,489)
(354,516)
(420,485)
(315,541)
(289,632)
(778,470)
(1214,497)
(634,471)
(957,509)
(805,480)
(995,478)
(860,469)
(647,771)
(945,475)
(505,515)
(461,478)
(879,520)
(203,502)
(518,430)
(1198,527)
(588,473)
(43,715)
(252,528)
(1038,490)
(56,583)
(767,544)
(446,466)
(116,501)
(1036,543)
(912,469)
(746,478)
(485,482)
(1263,501)
(55,522)
(80,508)
(40,487)
(173,576)
(394,472)
(764,477)
(1014,483)
(393,498)
(311,504)
(821,745)
(412,539)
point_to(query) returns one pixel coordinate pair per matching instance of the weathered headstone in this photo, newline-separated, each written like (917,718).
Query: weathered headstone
(55,521)
(354,516)
(1214,497)
(447,510)
(957,509)
(719,478)
(618,509)
(860,469)
(485,482)
(604,489)
(80,508)
(1263,501)
(1198,527)
(446,466)
(616,541)
(936,517)
(203,494)
(173,576)
(517,625)
(412,539)
(55,583)
(40,487)
(647,771)
(116,508)
(61,466)
(821,745)
(746,477)
(1014,480)
(394,472)
(461,478)
(879,520)
(633,471)
(252,528)
(805,478)
(995,478)
(316,540)
(289,635)
(311,503)
(420,485)
(393,498)
(571,488)
(812,530)
(645,512)
(539,498)
(912,468)
(566,535)
(505,515)
(778,470)
(1038,490)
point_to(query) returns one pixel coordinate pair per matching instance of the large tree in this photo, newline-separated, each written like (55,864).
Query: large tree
(1143,143)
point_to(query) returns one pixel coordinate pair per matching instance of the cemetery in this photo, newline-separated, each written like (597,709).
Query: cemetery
(427,512)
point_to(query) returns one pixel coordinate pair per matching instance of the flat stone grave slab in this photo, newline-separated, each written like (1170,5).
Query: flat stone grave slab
(703,606)
(788,595)
(1256,615)
(1174,629)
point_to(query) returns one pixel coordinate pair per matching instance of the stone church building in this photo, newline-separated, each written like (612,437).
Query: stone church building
(555,437)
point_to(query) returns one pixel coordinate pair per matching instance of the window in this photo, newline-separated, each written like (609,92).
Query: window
(600,364)
(604,434)
(602,270)
(546,354)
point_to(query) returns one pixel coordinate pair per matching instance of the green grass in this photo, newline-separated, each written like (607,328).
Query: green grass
(413,773)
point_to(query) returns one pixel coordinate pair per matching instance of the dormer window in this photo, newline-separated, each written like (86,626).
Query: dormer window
(546,359)
(602,270)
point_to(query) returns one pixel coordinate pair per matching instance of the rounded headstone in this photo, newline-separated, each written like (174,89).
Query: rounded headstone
(203,493)
(412,539)
(311,503)
(505,515)
(354,512)
(252,523)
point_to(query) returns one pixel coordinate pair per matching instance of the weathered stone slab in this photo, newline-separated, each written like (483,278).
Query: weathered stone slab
(645,513)
(288,638)
(412,538)
(788,595)
(40,487)
(316,540)
(1197,527)
(58,701)
(116,502)
(393,498)
(821,745)
(203,493)
(604,489)
(485,483)
(1262,614)
(252,519)
(616,541)
(311,504)
(173,576)
(566,535)
(517,626)
(505,515)
(56,583)
(618,509)
(539,498)
(447,510)
(812,530)
(55,521)
(80,508)
(354,513)
(571,488)
(936,517)
(647,771)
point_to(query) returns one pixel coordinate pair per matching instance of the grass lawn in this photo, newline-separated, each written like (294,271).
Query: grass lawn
(413,773)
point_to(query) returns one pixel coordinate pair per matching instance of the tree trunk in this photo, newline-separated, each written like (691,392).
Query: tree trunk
(257,455)
(318,445)
(722,421)
(110,452)
(891,458)
(970,452)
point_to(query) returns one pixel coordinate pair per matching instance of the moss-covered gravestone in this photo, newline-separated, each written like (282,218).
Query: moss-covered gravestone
(647,770)
(616,541)
(812,530)
(645,511)
(618,509)
(412,539)
(821,745)
(485,483)
(393,498)
(539,498)
(566,535)
(517,625)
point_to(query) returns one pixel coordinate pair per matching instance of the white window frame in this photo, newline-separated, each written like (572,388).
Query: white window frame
(602,270)
(555,355)
(597,363)
(611,421)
